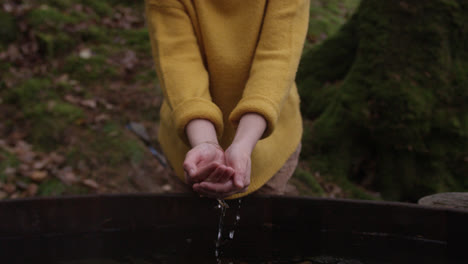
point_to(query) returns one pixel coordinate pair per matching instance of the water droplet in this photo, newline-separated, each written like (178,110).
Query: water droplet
(231,234)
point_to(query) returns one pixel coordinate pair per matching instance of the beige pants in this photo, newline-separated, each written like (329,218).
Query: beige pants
(275,186)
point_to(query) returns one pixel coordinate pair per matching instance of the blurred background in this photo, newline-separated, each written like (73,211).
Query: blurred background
(383,87)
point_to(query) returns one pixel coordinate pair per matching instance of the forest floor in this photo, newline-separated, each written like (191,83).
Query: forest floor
(73,74)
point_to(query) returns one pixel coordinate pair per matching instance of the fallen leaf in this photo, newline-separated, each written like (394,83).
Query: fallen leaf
(51,105)
(9,171)
(67,176)
(167,188)
(32,189)
(85,54)
(89,103)
(91,183)
(56,158)
(38,165)
(72,99)
(38,176)
(15,195)
(3,195)
(9,188)
(101,118)
(22,185)
(24,169)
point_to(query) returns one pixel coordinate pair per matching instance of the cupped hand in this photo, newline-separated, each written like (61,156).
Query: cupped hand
(238,158)
(206,162)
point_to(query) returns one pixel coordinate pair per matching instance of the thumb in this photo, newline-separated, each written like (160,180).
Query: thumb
(190,163)
(239,180)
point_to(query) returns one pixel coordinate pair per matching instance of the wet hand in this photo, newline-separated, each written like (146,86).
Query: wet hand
(238,159)
(206,162)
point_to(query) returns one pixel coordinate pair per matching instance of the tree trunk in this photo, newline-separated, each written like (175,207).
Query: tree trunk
(389,98)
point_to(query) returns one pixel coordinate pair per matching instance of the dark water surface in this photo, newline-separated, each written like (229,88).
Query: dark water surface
(171,229)
(188,246)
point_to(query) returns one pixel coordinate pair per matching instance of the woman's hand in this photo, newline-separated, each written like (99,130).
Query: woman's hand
(206,162)
(237,156)
(238,161)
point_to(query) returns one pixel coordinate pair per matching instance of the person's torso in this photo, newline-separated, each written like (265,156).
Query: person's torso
(228,32)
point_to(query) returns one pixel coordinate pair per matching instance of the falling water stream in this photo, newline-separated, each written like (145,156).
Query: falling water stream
(223,206)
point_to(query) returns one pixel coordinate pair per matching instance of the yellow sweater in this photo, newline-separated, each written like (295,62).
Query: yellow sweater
(220,59)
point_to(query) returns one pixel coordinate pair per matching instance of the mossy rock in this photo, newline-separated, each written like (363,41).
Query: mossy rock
(395,118)
(8,29)
(326,17)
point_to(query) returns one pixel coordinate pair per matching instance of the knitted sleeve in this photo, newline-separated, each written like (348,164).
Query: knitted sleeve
(179,65)
(276,61)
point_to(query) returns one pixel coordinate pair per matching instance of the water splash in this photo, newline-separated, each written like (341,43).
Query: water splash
(237,219)
(223,206)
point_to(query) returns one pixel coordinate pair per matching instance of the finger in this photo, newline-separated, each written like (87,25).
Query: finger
(190,162)
(239,180)
(205,172)
(214,176)
(246,181)
(227,175)
(221,175)
(218,187)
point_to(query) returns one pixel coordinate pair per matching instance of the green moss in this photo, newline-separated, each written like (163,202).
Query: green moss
(308,179)
(42,107)
(101,8)
(4,67)
(148,76)
(77,189)
(326,17)
(55,44)
(49,124)
(7,160)
(115,147)
(89,70)
(396,101)
(95,34)
(59,4)
(8,29)
(29,92)
(51,187)
(49,16)
(126,3)
(137,39)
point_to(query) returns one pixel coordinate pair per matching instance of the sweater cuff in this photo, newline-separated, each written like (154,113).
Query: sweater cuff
(197,108)
(259,105)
